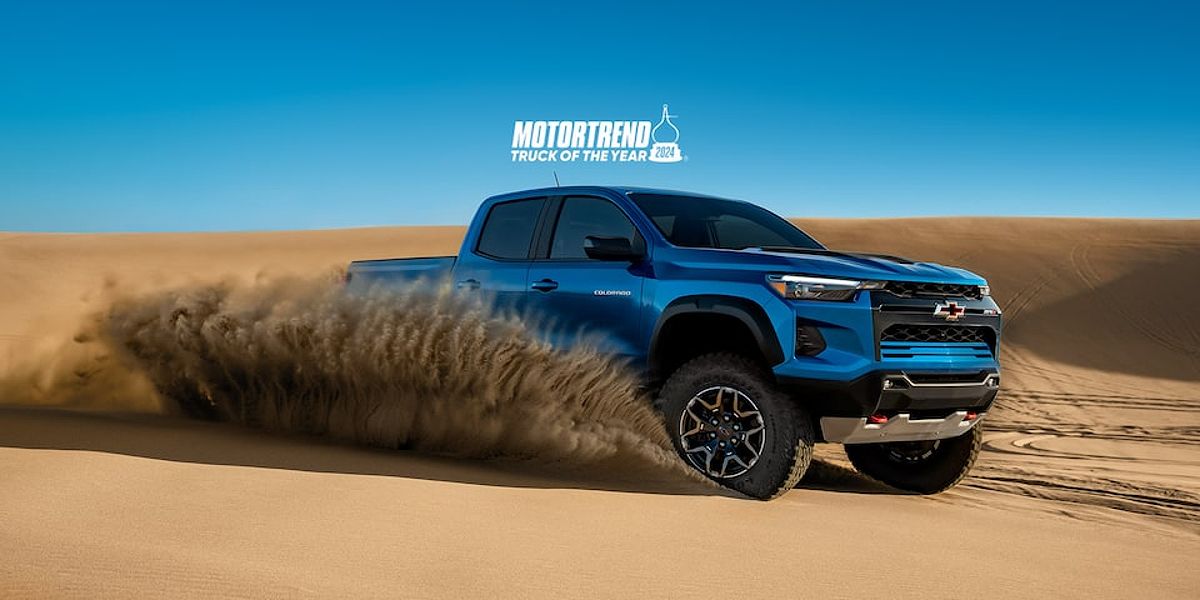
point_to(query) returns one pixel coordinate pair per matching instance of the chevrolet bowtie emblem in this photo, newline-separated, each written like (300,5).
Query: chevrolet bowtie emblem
(950,311)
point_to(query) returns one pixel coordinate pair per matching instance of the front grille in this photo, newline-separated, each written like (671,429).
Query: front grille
(936,378)
(935,333)
(913,289)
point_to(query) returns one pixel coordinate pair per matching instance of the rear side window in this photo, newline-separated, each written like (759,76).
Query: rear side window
(584,216)
(508,229)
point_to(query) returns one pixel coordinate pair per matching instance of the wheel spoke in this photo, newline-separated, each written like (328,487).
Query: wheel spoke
(741,462)
(700,424)
(738,411)
(708,461)
(714,406)
(725,464)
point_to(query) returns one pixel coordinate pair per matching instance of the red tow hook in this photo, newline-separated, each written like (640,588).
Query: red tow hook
(877,419)
(971,416)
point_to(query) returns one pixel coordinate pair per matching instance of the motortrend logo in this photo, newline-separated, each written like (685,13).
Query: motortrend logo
(597,141)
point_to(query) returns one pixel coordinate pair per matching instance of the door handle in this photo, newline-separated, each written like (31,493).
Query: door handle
(467,284)
(544,285)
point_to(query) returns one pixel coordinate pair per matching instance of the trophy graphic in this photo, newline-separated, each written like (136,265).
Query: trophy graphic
(665,151)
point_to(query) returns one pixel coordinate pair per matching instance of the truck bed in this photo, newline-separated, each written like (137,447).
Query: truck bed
(397,271)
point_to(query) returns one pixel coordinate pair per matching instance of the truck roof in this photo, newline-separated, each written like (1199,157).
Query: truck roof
(591,189)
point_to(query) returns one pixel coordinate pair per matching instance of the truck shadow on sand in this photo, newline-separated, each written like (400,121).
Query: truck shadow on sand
(179,440)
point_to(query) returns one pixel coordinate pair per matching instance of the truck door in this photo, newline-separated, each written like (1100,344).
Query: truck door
(497,266)
(581,296)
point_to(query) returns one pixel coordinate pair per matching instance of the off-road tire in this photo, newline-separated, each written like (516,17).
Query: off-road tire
(940,471)
(788,443)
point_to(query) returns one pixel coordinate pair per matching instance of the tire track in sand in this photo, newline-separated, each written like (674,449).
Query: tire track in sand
(1124,468)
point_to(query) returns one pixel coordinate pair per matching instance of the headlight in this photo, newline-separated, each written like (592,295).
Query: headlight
(985,290)
(804,287)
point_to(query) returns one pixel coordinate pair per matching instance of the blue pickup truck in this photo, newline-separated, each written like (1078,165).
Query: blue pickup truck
(755,340)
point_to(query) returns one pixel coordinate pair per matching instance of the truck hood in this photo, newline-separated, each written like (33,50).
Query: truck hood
(857,265)
(831,263)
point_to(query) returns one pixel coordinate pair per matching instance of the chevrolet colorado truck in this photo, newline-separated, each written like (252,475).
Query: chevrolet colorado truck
(756,340)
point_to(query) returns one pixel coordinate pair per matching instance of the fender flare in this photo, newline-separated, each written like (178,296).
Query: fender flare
(748,312)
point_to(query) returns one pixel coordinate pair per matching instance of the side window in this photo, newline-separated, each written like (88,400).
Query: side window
(737,232)
(584,216)
(508,229)
(666,224)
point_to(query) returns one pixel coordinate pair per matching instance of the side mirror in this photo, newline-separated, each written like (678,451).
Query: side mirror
(610,248)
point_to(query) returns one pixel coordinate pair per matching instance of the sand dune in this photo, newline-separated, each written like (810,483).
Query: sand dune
(1089,485)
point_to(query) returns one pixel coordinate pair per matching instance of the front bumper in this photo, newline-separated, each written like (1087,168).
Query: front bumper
(894,392)
(914,400)
(902,427)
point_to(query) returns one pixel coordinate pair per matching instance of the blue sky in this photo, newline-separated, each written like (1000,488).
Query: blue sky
(215,115)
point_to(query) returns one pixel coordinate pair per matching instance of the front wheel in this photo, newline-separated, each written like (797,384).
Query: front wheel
(728,421)
(922,467)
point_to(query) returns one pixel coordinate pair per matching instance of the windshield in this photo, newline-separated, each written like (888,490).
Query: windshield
(697,222)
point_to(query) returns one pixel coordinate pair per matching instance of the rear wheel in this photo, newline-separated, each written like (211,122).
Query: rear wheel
(925,467)
(728,421)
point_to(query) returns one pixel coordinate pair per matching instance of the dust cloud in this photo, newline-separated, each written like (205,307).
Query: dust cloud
(423,368)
